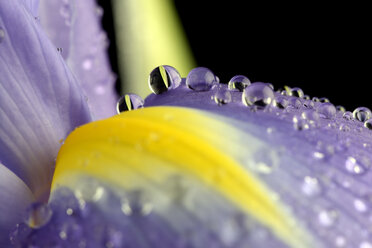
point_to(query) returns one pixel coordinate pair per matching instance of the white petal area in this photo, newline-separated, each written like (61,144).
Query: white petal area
(15,196)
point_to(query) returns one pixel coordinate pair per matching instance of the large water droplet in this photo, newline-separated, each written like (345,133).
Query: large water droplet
(362,114)
(37,215)
(129,102)
(258,94)
(222,96)
(2,34)
(164,77)
(326,110)
(200,79)
(355,167)
(239,83)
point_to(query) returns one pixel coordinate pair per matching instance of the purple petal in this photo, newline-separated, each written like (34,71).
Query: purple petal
(75,27)
(40,100)
(15,196)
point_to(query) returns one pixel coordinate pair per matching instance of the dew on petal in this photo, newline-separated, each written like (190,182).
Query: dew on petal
(347,116)
(327,217)
(311,186)
(326,110)
(355,167)
(129,102)
(362,114)
(159,80)
(368,124)
(340,109)
(323,99)
(296,92)
(281,102)
(200,79)
(222,96)
(238,83)
(258,94)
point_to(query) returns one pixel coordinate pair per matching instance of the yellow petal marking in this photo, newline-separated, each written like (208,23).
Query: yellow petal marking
(156,142)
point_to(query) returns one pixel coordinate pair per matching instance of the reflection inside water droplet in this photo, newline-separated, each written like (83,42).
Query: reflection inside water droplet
(362,114)
(258,94)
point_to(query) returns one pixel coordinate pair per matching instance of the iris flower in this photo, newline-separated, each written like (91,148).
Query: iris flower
(198,163)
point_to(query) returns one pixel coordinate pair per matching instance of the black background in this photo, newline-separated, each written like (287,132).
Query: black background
(323,49)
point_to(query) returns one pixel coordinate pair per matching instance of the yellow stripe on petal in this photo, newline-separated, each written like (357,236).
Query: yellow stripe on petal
(153,143)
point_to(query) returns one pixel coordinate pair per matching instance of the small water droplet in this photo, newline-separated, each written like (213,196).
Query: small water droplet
(309,104)
(294,102)
(360,205)
(129,102)
(38,215)
(2,34)
(307,97)
(299,123)
(310,115)
(365,244)
(362,114)
(327,217)
(347,115)
(368,124)
(340,109)
(344,128)
(315,99)
(323,99)
(327,110)
(355,167)
(281,102)
(311,186)
(222,96)
(59,49)
(87,64)
(258,94)
(239,83)
(162,78)
(200,79)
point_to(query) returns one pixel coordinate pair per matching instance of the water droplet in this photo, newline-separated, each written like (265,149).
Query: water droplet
(90,190)
(136,203)
(38,215)
(297,92)
(340,109)
(326,110)
(299,123)
(239,83)
(315,99)
(323,99)
(281,102)
(258,94)
(129,102)
(2,34)
(310,115)
(222,96)
(306,97)
(162,78)
(362,114)
(87,64)
(311,186)
(294,102)
(200,79)
(347,115)
(360,205)
(355,167)
(327,217)
(344,128)
(368,124)
(59,49)
(309,104)
(365,244)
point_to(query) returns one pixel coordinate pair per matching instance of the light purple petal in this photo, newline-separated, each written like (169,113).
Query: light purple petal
(15,196)
(75,27)
(40,100)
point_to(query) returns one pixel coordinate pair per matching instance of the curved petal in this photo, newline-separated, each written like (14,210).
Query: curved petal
(15,197)
(40,100)
(75,27)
